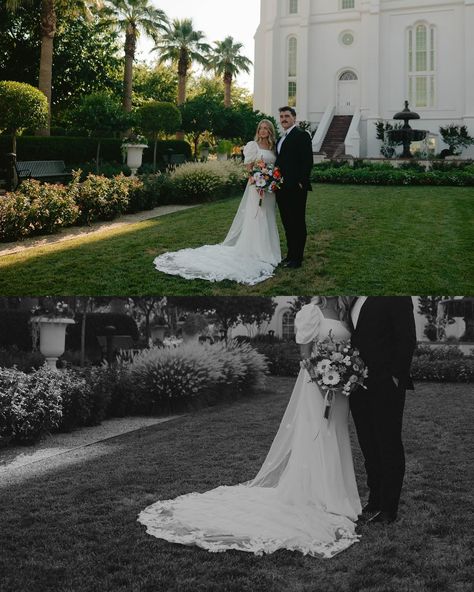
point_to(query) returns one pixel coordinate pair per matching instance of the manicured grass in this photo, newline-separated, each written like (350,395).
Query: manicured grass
(72,527)
(362,240)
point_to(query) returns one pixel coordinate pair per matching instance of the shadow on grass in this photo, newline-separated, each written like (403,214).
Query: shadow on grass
(74,528)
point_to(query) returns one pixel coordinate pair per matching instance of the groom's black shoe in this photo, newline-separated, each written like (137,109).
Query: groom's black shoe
(382,517)
(284,262)
(370,509)
(293,264)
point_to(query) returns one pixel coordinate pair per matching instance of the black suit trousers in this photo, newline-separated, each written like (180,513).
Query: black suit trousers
(378,417)
(292,205)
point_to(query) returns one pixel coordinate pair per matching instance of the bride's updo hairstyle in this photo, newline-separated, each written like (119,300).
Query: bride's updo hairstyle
(342,305)
(271,135)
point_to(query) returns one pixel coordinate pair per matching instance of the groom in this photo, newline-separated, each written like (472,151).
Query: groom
(295,160)
(384,333)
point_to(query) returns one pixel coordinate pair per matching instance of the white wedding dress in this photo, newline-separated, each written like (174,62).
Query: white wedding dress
(304,497)
(251,249)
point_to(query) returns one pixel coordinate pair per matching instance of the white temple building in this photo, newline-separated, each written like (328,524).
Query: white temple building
(360,60)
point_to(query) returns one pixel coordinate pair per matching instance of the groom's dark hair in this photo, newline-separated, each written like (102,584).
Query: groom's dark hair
(287,108)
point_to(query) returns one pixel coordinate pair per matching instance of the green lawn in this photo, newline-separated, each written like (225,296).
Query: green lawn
(72,527)
(362,240)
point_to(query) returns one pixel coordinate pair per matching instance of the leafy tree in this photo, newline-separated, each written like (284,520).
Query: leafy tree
(21,106)
(456,137)
(99,114)
(227,61)
(182,45)
(156,117)
(147,307)
(132,17)
(228,310)
(198,116)
(388,147)
(85,55)
(48,25)
(154,84)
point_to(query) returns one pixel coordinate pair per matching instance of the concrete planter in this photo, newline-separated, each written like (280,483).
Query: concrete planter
(134,156)
(52,337)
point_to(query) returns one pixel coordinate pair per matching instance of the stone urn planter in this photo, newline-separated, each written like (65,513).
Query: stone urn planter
(134,156)
(52,332)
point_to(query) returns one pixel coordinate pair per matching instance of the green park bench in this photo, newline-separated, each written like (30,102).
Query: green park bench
(43,170)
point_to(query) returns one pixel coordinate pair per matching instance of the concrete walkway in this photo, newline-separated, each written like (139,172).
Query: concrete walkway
(66,234)
(57,450)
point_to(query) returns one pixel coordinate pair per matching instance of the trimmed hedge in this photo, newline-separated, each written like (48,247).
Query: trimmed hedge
(15,329)
(77,150)
(387,175)
(455,370)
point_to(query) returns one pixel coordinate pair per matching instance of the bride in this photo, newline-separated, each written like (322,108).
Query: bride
(251,249)
(304,498)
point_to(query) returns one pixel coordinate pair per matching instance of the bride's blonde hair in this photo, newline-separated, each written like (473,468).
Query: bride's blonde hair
(342,305)
(271,136)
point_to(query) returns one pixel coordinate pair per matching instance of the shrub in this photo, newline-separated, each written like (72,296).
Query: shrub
(445,352)
(283,357)
(454,370)
(146,194)
(207,181)
(9,380)
(26,361)
(35,405)
(100,198)
(168,379)
(15,211)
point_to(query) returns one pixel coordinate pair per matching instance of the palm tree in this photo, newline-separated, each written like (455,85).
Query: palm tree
(227,61)
(180,44)
(133,17)
(48,23)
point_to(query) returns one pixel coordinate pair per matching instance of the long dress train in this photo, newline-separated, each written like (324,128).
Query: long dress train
(251,250)
(304,497)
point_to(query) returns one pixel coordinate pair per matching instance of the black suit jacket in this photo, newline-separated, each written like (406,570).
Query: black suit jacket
(296,159)
(386,338)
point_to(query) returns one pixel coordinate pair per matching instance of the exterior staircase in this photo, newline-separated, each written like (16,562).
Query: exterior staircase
(333,144)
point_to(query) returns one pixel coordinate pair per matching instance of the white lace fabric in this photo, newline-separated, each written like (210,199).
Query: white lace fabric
(251,250)
(304,498)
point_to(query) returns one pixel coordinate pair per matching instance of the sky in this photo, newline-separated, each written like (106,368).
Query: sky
(217,19)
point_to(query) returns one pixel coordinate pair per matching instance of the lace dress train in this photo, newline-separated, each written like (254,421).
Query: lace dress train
(304,497)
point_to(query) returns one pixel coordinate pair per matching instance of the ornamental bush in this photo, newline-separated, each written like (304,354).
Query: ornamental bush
(173,378)
(35,404)
(15,211)
(206,181)
(99,198)
(438,370)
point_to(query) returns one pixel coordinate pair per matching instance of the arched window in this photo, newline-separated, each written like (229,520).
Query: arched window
(292,6)
(292,70)
(347,4)
(421,65)
(348,75)
(288,325)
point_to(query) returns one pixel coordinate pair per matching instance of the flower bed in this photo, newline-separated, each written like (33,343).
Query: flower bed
(37,208)
(158,380)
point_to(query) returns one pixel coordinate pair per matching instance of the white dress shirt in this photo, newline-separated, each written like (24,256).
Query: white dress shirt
(355,312)
(282,139)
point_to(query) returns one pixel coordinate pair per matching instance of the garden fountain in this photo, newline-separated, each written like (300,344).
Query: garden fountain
(406,135)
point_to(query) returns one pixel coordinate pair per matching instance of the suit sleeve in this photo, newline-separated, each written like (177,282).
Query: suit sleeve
(306,159)
(404,335)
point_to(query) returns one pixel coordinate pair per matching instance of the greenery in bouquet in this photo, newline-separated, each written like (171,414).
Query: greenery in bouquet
(265,177)
(335,367)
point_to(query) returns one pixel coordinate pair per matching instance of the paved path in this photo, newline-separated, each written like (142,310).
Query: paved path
(66,234)
(20,462)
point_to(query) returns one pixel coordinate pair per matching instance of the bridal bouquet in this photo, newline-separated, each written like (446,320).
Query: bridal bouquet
(335,366)
(265,177)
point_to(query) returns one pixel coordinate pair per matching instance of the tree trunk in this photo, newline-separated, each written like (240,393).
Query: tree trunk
(227,89)
(48,30)
(83,333)
(14,142)
(183,65)
(154,154)
(130,46)
(181,89)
